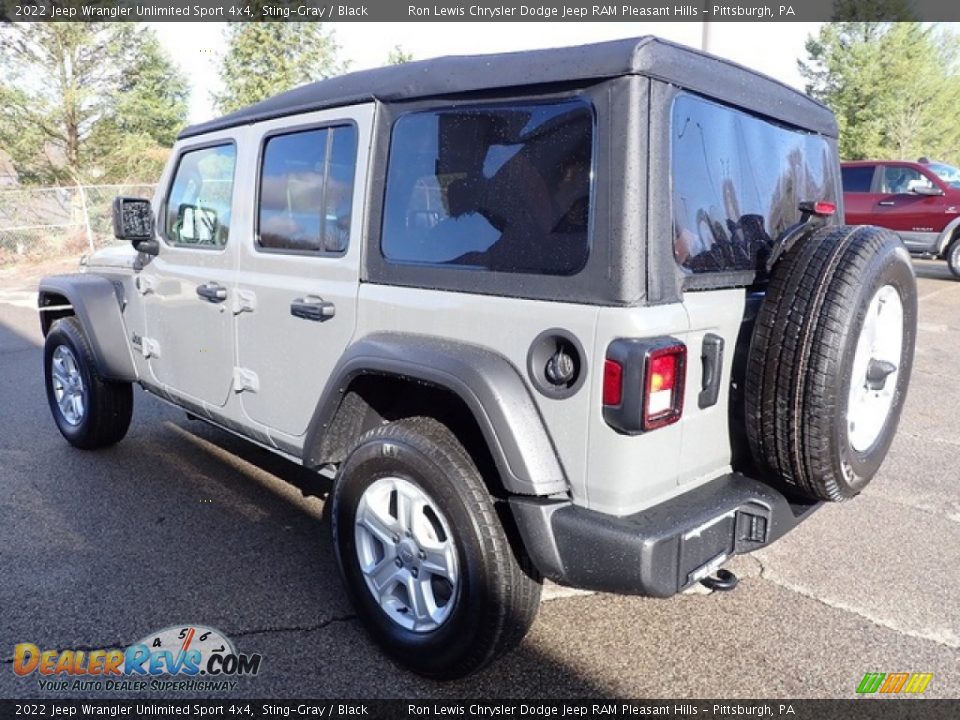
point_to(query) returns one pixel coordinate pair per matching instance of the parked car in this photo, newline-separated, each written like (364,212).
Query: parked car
(918,200)
(597,321)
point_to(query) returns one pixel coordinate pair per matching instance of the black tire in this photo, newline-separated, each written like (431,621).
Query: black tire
(801,359)
(498,594)
(108,406)
(952,257)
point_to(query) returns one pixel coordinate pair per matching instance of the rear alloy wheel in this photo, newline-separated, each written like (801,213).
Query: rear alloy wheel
(423,554)
(830,361)
(406,554)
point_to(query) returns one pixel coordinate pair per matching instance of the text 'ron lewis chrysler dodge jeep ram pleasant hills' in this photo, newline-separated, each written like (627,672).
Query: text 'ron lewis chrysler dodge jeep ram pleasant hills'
(585,314)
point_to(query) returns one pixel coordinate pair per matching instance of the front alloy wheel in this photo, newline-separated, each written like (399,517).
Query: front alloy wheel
(68,387)
(89,411)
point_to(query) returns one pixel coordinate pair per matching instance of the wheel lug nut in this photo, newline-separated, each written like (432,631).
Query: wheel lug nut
(399,562)
(396,539)
(414,572)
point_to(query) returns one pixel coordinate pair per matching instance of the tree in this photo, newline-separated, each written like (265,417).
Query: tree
(265,58)
(398,56)
(153,96)
(894,88)
(873,10)
(151,106)
(70,92)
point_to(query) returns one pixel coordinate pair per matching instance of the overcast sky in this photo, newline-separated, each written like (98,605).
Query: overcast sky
(772,48)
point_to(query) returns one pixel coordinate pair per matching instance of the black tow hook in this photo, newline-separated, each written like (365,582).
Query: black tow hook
(724,580)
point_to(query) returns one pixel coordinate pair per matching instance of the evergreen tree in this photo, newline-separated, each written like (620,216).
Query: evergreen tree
(266,58)
(398,56)
(893,86)
(70,91)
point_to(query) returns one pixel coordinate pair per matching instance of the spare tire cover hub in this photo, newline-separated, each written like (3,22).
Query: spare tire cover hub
(873,379)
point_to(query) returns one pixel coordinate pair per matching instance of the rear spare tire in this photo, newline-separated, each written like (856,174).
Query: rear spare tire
(830,360)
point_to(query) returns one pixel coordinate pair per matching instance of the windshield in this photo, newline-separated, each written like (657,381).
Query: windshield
(948,173)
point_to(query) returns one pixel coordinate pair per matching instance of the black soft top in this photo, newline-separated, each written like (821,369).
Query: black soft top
(458,75)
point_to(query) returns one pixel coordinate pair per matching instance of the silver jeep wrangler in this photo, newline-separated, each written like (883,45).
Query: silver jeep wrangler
(585,314)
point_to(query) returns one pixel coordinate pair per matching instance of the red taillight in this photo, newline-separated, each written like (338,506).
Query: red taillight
(663,386)
(643,382)
(612,383)
(822,208)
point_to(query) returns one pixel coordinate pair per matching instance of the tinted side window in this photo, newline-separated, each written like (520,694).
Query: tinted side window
(492,188)
(897,179)
(306,190)
(737,183)
(198,205)
(857,179)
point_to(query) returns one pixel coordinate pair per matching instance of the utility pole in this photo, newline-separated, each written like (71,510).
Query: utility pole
(705,28)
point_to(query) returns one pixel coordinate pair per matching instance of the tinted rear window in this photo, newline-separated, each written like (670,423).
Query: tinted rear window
(503,188)
(737,182)
(857,179)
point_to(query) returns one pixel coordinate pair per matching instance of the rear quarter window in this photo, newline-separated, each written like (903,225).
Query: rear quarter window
(501,188)
(737,181)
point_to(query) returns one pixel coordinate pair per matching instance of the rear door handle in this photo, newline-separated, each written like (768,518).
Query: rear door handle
(711,354)
(313,308)
(213,292)
(887,202)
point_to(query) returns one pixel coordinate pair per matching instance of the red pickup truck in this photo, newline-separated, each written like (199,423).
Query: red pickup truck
(918,200)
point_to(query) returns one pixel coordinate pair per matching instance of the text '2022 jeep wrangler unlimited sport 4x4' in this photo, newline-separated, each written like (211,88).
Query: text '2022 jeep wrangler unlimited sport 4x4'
(583,314)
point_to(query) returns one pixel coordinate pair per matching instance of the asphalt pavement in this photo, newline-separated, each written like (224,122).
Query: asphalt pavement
(184,524)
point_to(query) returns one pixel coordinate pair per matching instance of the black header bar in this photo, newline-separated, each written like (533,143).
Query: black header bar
(475,10)
(854,709)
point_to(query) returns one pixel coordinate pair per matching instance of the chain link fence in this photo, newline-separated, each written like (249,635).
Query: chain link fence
(38,223)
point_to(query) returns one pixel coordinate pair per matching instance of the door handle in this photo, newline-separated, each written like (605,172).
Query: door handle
(711,354)
(887,202)
(312,308)
(212,291)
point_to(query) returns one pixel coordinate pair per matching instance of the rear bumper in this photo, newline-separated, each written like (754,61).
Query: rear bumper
(661,550)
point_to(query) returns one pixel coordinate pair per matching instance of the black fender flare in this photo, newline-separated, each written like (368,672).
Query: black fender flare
(488,384)
(96,302)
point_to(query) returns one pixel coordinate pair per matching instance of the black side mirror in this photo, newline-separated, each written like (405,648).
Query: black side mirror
(133,221)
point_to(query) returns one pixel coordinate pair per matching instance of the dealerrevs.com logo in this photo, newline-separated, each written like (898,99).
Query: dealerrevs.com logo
(190,657)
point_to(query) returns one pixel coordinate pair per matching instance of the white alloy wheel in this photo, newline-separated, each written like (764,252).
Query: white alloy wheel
(876,365)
